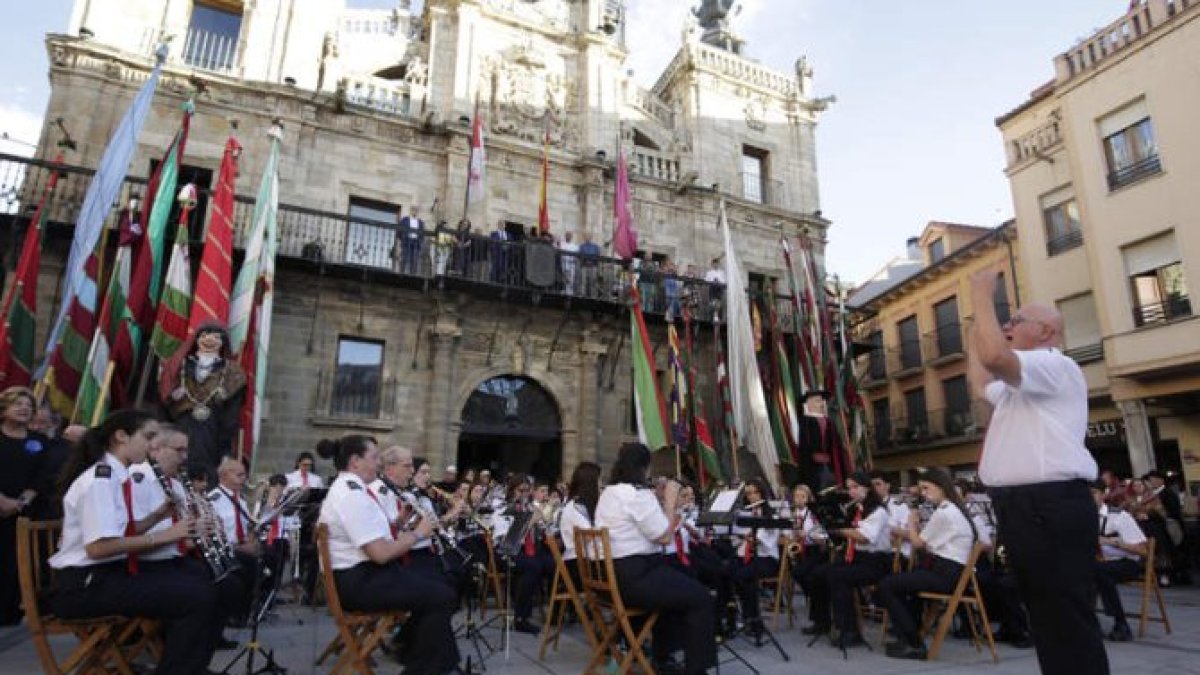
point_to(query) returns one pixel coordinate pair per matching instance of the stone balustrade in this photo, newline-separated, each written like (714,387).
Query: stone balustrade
(377,94)
(1143,17)
(654,164)
(1037,142)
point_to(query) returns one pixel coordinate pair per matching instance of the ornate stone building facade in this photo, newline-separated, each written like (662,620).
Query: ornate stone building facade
(377,109)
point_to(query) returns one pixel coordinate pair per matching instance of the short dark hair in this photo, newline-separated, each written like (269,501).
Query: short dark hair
(633,460)
(343,449)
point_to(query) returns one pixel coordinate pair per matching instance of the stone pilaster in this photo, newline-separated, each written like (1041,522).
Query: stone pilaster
(1137,435)
(444,338)
(591,436)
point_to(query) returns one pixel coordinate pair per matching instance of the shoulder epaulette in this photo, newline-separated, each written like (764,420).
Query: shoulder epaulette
(353,485)
(137,476)
(103,470)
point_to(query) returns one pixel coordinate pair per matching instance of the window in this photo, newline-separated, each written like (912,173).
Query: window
(213,33)
(910,343)
(958,406)
(1081,328)
(754,174)
(949,336)
(371,232)
(878,367)
(1000,300)
(1060,216)
(1156,280)
(883,422)
(359,378)
(918,418)
(200,177)
(1129,146)
(937,251)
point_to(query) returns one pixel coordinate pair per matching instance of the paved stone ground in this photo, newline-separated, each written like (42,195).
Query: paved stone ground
(297,634)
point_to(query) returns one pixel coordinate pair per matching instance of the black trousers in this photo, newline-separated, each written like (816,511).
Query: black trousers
(1109,573)
(369,587)
(187,603)
(831,588)
(532,571)
(745,578)
(1050,532)
(10,587)
(686,618)
(898,593)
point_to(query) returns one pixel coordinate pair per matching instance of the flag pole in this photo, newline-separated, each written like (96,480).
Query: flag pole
(98,411)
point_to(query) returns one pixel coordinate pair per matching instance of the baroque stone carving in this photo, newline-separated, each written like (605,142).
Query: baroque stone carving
(526,100)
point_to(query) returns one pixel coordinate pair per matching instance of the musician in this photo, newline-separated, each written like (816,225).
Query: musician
(807,547)
(678,552)
(155,514)
(532,561)
(1123,547)
(757,556)
(304,476)
(424,556)
(395,474)
(231,508)
(898,510)
(638,525)
(947,539)
(583,493)
(365,557)
(866,558)
(99,573)
(22,452)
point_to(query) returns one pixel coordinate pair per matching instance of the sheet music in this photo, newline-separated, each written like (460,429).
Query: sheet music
(725,500)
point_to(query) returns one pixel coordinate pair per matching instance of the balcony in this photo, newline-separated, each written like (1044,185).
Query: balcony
(1086,354)
(1037,143)
(362,403)
(934,428)
(335,244)
(905,360)
(945,344)
(654,164)
(1174,307)
(1064,243)
(1128,175)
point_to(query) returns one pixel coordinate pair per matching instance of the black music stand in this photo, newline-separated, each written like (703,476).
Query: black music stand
(721,512)
(257,611)
(761,626)
(305,574)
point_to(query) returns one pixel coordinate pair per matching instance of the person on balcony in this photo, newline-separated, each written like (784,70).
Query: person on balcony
(412,229)
(568,261)
(589,251)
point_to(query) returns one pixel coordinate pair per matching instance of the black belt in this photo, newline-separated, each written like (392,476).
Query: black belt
(1049,487)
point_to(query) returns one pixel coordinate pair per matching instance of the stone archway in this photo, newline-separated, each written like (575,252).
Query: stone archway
(512,423)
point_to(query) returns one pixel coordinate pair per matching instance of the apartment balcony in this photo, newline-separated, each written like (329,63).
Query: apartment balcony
(1174,307)
(1064,243)
(1135,172)
(934,428)
(335,244)
(1141,20)
(945,345)
(906,360)
(1086,354)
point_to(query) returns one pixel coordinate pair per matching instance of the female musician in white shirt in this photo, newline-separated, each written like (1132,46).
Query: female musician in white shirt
(867,559)
(806,550)
(98,571)
(583,493)
(365,558)
(947,539)
(304,476)
(758,555)
(637,527)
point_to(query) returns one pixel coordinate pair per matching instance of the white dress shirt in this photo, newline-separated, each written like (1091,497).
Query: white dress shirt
(948,533)
(634,519)
(767,539)
(1037,430)
(876,529)
(898,519)
(572,516)
(93,509)
(1118,523)
(388,500)
(355,519)
(223,504)
(295,479)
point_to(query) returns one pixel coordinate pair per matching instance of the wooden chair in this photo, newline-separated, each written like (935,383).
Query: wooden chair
(967,595)
(494,582)
(784,585)
(563,594)
(610,616)
(1149,585)
(98,649)
(359,633)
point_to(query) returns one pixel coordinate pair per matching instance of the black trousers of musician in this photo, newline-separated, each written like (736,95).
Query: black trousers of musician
(745,578)
(831,588)
(898,594)
(1109,573)
(1050,531)
(369,587)
(1003,600)
(532,572)
(186,603)
(10,588)
(686,619)
(233,592)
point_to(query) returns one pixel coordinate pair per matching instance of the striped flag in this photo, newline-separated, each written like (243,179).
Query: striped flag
(211,301)
(115,319)
(101,194)
(677,376)
(477,166)
(706,450)
(265,212)
(248,360)
(70,355)
(20,304)
(170,326)
(648,399)
(543,202)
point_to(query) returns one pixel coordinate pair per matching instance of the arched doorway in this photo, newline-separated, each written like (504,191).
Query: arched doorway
(511,423)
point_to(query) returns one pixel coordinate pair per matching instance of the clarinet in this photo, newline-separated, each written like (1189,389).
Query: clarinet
(218,557)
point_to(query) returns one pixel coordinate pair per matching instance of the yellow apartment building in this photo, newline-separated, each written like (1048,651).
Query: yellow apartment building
(1104,167)
(914,313)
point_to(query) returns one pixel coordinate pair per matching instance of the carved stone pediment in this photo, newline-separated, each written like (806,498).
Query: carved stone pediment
(526,99)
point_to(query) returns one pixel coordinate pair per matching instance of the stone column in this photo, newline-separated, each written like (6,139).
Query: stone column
(444,338)
(1137,435)
(591,436)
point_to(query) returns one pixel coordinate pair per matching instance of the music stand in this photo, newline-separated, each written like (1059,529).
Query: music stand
(305,565)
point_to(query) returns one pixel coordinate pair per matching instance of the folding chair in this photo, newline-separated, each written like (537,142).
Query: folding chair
(359,633)
(494,582)
(562,592)
(610,616)
(98,649)
(865,608)
(1149,585)
(785,587)
(966,594)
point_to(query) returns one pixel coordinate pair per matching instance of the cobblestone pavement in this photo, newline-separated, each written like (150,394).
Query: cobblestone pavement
(297,634)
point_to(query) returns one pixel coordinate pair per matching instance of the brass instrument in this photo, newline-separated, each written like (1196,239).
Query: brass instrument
(444,538)
(469,514)
(209,537)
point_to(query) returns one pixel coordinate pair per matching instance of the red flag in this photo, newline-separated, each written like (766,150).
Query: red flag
(477,164)
(624,238)
(248,360)
(210,303)
(543,206)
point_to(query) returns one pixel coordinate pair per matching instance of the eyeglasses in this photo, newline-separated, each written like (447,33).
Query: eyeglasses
(1017,320)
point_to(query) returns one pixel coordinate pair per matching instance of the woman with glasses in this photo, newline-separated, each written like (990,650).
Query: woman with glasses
(304,476)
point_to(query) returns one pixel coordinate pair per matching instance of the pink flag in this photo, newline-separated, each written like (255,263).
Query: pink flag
(624,237)
(478,160)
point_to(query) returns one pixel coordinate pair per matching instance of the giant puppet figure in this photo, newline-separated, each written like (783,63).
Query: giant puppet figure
(823,461)
(202,389)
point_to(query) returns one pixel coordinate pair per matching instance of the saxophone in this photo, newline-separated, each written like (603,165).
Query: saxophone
(213,548)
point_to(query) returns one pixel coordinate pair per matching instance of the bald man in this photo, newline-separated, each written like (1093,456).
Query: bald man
(1038,470)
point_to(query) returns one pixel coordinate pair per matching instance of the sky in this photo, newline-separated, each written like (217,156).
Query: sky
(910,139)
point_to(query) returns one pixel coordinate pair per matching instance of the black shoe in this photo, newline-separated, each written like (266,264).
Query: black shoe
(526,626)
(225,644)
(1120,633)
(902,650)
(815,629)
(668,667)
(848,640)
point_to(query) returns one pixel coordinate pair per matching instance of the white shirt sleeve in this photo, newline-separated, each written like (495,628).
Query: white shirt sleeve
(363,519)
(1041,373)
(1126,528)
(647,514)
(99,517)
(874,528)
